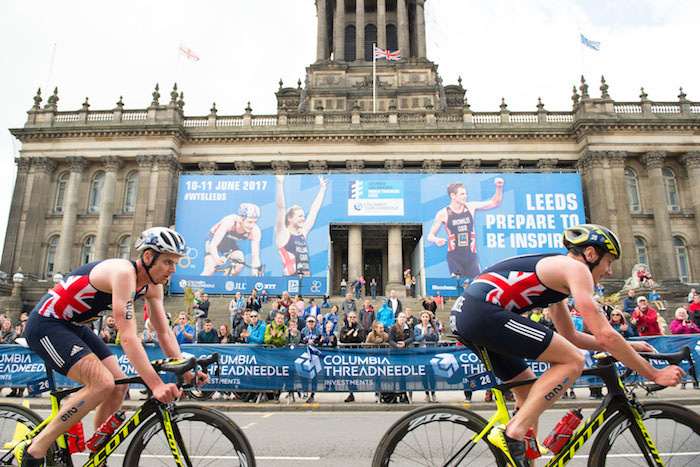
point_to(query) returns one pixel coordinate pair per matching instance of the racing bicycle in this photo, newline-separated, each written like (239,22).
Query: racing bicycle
(230,264)
(164,434)
(653,433)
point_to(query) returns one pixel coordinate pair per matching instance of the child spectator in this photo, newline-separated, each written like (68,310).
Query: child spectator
(425,332)
(400,334)
(377,336)
(328,338)
(109,333)
(292,336)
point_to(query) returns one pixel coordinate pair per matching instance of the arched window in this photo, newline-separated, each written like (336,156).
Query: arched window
(632,190)
(350,50)
(641,246)
(124,247)
(370,39)
(681,259)
(671,190)
(392,40)
(132,181)
(88,254)
(98,181)
(61,191)
(51,256)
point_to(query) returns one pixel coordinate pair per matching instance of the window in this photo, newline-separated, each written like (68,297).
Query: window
(392,41)
(98,181)
(370,40)
(671,190)
(132,181)
(61,191)
(641,247)
(88,254)
(124,247)
(51,256)
(350,51)
(681,259)
(632,190)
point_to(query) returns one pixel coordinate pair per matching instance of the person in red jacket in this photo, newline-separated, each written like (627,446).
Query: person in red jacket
(694,310)
(646,318)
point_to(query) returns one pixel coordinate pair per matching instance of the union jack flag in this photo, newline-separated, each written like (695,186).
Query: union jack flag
(68,298)
(392,55)
(513,291)
(188,53)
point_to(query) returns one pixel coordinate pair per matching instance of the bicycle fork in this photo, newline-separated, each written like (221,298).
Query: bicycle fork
(174,437)
(641,435)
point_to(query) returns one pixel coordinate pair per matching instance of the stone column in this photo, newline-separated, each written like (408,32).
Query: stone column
(381,24)
(691,160)
(395,257)
(39,200)
(360,30)
(322,31)
(11,240)
(339,31)
(654,160)
(64,253)
(591,169)
(167,166)
(621,204)
(355,259)
(138,223)
(420,28)
(112,164)
(402,26)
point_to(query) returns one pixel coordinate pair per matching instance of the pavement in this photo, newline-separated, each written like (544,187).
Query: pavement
(366,402)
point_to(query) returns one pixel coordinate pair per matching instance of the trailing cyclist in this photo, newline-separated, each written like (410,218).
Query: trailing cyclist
(488,315)
(56,332)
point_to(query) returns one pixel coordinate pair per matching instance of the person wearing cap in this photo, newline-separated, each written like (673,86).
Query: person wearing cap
(311,334)
(646,318)
(275,332)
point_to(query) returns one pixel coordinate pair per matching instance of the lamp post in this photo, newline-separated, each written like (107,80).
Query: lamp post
(300,275)
(57,278)
(457,276)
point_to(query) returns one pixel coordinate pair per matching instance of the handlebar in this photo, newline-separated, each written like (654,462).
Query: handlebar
(674,358)
(180,367)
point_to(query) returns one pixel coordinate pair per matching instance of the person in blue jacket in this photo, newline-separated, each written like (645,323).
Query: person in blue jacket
(386,315)
(256,328)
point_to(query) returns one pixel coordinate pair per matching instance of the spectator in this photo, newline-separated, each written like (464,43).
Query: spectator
(367,316)
(629,304)
(607,308)
(407,281)
(536,315)
(357,286)
(7,333)
(413,286)
(655,300)
(395,303)
(691,294)
(312,310)
(201,311)
(311,334)
(275,307)
(645,279)
(291,315)
(694,310)
(599,290)
(547,320)
(235,307)
(646,318)
(264,296)
(285,301)
(254,301)
(343,286)
(578,320)
(633,327)
(682,324)
(386,315)
(241,334)
(208,335)
(326,301)
(430,305)
(149,336)
(352,333)
(333,317)
(410,320)
(184,331)
(373,288)
(109,333)
(619,323)
(347,306)
(328,338)
(400,334)
(292,337)
(377,336)
(256,329)
(224,334)
(425,331)
(300,305)
(19,329)
(275,333)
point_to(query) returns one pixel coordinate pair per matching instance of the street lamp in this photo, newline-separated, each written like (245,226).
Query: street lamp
(457,276)
(18,278)
(57,278)
(300,275)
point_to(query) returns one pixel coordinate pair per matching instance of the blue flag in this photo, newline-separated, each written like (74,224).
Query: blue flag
(589,43)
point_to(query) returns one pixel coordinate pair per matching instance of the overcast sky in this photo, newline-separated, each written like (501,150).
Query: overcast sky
(520,50)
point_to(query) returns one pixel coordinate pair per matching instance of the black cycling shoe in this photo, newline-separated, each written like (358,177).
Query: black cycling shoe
(24,459)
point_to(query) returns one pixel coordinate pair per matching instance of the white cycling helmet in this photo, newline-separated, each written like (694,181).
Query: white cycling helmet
(161,240)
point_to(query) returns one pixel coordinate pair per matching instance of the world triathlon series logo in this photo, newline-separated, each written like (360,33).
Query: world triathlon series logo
(444,364)
(356,188)
(308,365)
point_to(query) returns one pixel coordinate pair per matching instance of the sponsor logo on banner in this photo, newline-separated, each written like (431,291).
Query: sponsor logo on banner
(444,364)
(375,198)
(308,365)
(293,286)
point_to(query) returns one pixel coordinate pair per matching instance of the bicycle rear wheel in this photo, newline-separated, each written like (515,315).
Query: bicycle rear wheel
(432,436)
(210,437)
(674,430)
(15,422)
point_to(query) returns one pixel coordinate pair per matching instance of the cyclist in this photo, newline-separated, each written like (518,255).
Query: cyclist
(488,315)
(225,235)
(56,332)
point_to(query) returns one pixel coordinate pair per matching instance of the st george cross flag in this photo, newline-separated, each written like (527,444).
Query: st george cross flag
(589,43)
(188,53)
(392,55)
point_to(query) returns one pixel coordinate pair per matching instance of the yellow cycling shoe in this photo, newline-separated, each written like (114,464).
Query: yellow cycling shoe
(513,449)
(23,458)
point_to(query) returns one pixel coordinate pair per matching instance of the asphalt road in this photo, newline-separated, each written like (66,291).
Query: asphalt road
(347,439)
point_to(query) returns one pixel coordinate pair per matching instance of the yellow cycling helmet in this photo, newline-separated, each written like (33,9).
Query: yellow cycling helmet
(584,235)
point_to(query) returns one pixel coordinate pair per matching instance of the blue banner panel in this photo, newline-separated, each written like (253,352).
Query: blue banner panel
(252,368)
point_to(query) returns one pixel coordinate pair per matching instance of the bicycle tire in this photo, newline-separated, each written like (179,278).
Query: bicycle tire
(210,437)
(431,435)
(200,395)
(660,418)
(15,421)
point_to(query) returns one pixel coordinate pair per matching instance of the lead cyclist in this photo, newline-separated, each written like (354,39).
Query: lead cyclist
(488,315)
(56,331)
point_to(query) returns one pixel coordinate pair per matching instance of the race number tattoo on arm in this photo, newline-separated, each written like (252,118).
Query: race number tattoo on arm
(129,307)
(557,389)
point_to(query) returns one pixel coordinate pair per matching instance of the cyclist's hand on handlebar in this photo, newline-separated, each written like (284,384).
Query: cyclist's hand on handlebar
(220,261)
(202,378)
(669,376)
(167,392)
(641,346)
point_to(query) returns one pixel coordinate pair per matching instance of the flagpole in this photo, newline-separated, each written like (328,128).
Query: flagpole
(583,62)
(177,61)
(374,78)
(48,77)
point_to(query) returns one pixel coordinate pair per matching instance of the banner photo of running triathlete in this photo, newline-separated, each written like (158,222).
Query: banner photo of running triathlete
(260,232)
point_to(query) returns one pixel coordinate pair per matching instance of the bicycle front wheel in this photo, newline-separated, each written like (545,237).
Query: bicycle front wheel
(15,422)
(209,436)
(674,430)
(437,435)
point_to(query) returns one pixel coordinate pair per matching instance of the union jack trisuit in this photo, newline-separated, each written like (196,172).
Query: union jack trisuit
(488,313)
(56,329)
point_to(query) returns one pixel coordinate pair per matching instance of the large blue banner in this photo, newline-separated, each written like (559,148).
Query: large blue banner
(261,231)
(251,368)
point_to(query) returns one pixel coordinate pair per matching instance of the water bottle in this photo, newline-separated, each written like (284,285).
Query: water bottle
(532,450)
(76,438)
(563,431)
(104,432)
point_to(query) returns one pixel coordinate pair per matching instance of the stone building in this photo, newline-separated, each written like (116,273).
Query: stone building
(89,181)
